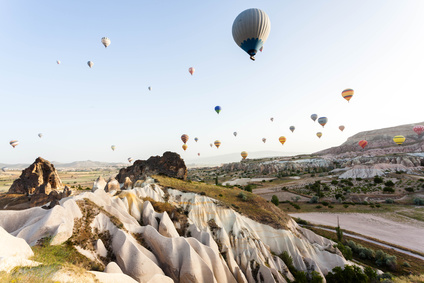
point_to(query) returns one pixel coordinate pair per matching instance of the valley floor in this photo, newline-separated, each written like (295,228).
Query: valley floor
(387,227)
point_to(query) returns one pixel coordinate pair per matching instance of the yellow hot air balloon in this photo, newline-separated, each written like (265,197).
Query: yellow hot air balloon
(282,139)
(399,139)
(244,154)
(347,94)
(217,143)
(185,147)
(319,134)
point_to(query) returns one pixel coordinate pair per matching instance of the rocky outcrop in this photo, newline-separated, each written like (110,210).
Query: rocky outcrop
(112,185)
(100,183)
(39,177)
(170,164)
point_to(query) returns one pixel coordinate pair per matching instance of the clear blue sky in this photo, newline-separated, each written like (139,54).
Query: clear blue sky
(314,51)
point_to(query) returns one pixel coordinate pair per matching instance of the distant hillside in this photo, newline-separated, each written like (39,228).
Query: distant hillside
(88,164)
(380,142)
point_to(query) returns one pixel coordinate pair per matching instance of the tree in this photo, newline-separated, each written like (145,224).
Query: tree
(274,200)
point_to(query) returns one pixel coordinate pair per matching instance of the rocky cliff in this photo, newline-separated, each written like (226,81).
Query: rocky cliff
(170,164)
(195,239)
(39,177)
(380,142)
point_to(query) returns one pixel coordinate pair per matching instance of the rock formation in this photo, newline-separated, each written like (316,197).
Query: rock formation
(170,164)
(39,177)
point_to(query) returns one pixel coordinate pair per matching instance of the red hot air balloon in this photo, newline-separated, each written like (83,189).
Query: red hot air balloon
(191,70)
(341,128)
(363,143)
(419,129)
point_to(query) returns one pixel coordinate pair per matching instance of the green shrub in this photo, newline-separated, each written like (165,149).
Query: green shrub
(389,200)
(274,200)
(388,190)
(334,182)
(389,184)
(330,206)
(418,201)
(318,206)
(345,250)
(314,199)
(242,196)
(345,205)
(325,203)
(409,189)
(350,274)
(378,180)
(406,264)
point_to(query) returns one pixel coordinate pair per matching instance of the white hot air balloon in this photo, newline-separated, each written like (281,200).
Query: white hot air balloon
(40,135)
(250,30)
(58,62)
(90,64)
(105,41)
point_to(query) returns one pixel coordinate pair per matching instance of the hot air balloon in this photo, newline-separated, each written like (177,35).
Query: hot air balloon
(185,147)
(90,64)
(399,139)
(314,117)
(262,48)
(264,140)
(292,128)
(184,138)
(250,30)
(14,143)
(282,139)
(105,41)
(40,135)
(198,154)
(244,154)
(347,94)
(363,143)
(235,134)
(58,62)
(196,139)
(272,119)
(322,121)
(419,130)
(217,109)
(113,147)
(319,134)
(217,143)
(130,159)
(191,70)
(211,145)
(149,88)
(341,128)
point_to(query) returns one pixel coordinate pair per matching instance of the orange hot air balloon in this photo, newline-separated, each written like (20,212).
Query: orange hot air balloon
(347,94)
(282,140)
(184,138)
(341,128)
(363,143)
(185,147)
(319,134)
(191,70)
(217,143)
(244,154)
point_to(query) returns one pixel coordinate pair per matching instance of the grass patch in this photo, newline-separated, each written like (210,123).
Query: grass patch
(253,206)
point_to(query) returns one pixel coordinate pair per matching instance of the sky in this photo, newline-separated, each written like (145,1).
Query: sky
(316,49)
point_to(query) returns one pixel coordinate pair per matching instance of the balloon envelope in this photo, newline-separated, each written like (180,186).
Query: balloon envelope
(363,143)
(292,128)
(58,62)
(185,147)
(130,159)
(196,139)
(90,64)
(341,128)
(40,135)
(264,140)
(282,139)
(419,129)
(113,147)
(14,143)
(399,140)
(184,138)
(217,143)
(218,109)
(322,121)
(319,134)
(150,88)
(250,30)
(191,70)
(235,134)
(314,117)
(347,94)
(244,154)
(211,145)
(105,41)
(272,119)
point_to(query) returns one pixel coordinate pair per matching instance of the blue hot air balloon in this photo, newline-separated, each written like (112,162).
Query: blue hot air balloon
(250,30)
(218,109)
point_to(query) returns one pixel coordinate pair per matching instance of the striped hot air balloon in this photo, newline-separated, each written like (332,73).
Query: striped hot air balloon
(282,139)
(314,117)
(40,135)
(322,121)
(292,128)
(319,134)
(113,147)
(184,138)
(130,159)
(58,62)
(244,154)
(217,143)
(185,147)
(363,143)
(341,128)
(14,143)
(399,140)
(250,30)
(347,94)
(191,70)
(419,130)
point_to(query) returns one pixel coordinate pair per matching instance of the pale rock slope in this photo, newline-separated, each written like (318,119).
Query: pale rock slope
(204,242)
